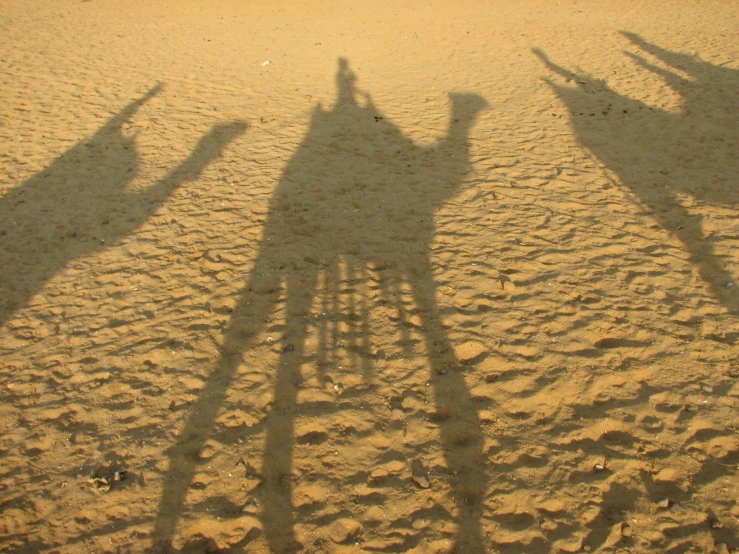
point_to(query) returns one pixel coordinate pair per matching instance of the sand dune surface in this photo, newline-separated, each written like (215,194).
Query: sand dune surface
(336,277)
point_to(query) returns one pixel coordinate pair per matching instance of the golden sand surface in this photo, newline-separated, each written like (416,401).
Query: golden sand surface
(342,277)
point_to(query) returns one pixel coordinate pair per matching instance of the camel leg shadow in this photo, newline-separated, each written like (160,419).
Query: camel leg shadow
(461,433)
(277,466)
(247,321)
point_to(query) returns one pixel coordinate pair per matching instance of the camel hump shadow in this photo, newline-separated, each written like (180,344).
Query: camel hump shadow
(80,204)
(661,155)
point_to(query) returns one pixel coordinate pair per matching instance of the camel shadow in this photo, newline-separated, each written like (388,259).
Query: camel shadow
(354,208)
(668,159)
(79,205)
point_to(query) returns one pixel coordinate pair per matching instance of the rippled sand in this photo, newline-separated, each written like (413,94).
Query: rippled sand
(369,277)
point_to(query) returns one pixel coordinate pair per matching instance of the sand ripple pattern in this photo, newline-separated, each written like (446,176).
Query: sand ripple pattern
(435,277)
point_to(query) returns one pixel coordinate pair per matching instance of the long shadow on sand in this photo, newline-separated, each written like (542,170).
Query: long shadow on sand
(79,205)
(356,204)
(667,157)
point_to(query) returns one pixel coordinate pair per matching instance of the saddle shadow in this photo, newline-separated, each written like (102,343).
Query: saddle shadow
(79,204)
(354,207)
(665,157)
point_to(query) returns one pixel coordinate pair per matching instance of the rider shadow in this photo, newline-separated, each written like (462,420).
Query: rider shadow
(354,208)
(669,160)
(79,205)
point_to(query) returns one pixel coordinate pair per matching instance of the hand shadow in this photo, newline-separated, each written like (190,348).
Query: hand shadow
(356,203)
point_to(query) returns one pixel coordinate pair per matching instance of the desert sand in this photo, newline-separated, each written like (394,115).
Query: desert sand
(344,277)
